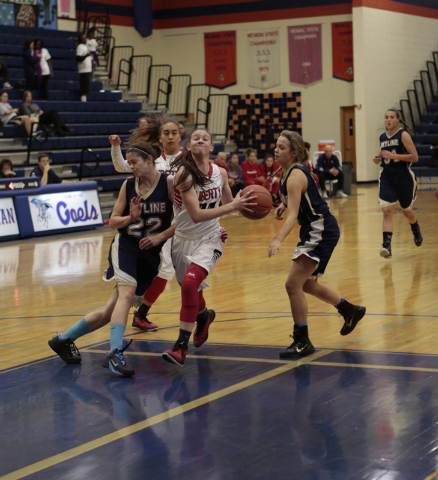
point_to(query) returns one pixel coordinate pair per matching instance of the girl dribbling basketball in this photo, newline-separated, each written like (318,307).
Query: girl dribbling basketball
(319,235)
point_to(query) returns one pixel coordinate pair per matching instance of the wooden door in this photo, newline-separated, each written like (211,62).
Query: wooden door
(348,130)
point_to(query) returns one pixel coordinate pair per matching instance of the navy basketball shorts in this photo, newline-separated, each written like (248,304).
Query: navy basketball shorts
(397,186)
(317,241)
(131,266)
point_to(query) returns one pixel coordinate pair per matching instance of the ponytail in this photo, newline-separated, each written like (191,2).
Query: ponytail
(187,161)
(152,131)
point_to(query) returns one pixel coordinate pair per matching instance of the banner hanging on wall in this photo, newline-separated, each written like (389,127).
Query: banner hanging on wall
(263,64)
(67,9)
(220,58)
(305,54)
(342,45)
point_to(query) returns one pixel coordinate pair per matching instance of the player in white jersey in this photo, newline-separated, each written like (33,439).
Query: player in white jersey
(164,132)
(199,240)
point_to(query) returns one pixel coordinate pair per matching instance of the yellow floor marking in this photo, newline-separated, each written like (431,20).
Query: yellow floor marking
(124,432)
(434,475)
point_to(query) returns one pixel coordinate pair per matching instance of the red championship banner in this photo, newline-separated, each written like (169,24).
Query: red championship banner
(342,44)
(220,59)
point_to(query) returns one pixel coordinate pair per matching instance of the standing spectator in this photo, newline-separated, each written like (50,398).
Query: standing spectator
(328,167)
(250,168)
(29,64)
(5,74)
(9,114)
(6,169)
(92,46)
(309,163)
(44,69)
(221,161)
(235,174)
(185,135)
(43,171)
(46,118)
(267,169)
(85,67)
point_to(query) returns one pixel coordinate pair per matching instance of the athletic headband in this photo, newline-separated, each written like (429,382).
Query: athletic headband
(396,111)
(140,150)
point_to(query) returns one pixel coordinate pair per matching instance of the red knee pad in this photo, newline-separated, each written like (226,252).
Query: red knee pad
(155,290)
(190,297)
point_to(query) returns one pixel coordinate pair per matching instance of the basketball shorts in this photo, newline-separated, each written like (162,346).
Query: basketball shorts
(204,251)
(317,241)
(129,265)
(166,269)
(397,186)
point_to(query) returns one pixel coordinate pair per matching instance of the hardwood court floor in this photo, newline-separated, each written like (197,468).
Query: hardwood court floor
(363,407)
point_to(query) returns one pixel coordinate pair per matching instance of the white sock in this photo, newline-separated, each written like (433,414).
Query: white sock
(83,98)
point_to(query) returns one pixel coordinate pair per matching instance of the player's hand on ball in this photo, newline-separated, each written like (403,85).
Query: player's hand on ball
(115,140)
(135,207)
(243,202)
(279,212)
(274,248)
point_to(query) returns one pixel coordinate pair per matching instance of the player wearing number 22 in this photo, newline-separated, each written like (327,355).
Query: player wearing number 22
(396,180)
(199,240)
(319,235)
(142,215)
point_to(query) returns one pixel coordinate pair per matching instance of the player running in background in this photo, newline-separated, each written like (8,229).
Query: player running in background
(199,241)
(397,180)
(319,235)
(142,214)
(165,133)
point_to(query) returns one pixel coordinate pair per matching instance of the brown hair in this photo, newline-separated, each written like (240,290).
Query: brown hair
(4,162)
(187,161)
(42,155)
(152,131)
(25,94)
(400,119)
(249,151)
(144,150)
(296,145)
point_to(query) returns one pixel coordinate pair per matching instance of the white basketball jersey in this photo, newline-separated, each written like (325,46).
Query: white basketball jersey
(209,197)
(164,163)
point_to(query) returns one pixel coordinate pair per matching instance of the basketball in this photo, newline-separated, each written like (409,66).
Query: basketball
(263,200)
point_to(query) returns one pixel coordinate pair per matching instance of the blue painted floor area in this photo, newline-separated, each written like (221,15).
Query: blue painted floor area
(313,422)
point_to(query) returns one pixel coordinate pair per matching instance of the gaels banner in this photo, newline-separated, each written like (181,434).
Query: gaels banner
(342,44)
(220,58)
(305,57)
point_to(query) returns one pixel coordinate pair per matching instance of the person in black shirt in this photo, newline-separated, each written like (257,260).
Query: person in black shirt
(43,171)
(328,167)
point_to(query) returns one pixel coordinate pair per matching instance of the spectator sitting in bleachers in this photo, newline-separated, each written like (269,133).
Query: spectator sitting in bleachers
(9,114)
(85,66)
(221,161)
(51,117)
(250,168)
(29,64)
(185,135)
(5,74)
(44,69)
(6,169)
(266,169)
(43,171)
(235,174)
(142,123)
(328,167)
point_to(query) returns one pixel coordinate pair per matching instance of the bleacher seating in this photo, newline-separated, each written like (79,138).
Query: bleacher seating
(92,122)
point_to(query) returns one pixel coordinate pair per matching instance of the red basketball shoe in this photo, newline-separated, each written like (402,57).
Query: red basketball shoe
(201,333)
(176,355)
(143,324)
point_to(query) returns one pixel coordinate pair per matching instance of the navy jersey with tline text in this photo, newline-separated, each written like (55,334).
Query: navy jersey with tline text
(394,145)
(312,205)
(157,209)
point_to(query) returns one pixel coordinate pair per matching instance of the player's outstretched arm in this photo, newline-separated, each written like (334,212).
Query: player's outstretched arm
(296,185)
(120,164)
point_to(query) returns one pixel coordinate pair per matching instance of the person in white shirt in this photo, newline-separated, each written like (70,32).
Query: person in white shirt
(92,46)
(9,114)
(43,67)
(85,66)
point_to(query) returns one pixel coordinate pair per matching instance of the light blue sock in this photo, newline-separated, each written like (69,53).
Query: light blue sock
(342,299)
(301,324)
(117,331)
(77,330)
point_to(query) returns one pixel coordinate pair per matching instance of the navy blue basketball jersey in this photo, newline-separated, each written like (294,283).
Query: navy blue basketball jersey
(312,205)
(157,211)
(395,145)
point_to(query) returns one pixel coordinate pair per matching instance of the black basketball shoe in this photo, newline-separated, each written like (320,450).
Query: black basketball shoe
(418,238)
(352,314)
(115,361)
(300,347)
(385,251)
(66,349)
